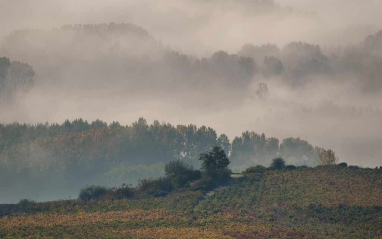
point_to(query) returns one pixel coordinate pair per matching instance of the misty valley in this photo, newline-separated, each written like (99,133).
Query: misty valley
(190,119)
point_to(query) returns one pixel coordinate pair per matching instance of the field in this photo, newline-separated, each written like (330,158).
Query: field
(321,202)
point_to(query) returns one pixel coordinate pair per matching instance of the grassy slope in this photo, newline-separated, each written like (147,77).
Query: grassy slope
(324,202)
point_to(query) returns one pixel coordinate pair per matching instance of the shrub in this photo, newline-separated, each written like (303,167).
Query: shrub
(223,177)
(343,165)
(176,168)
(302,167)
(290,167)
(155,187)
(26,202)
(119,193)
(208,182)
(194,175)
(255,169)
(353,167)
(92,193)
(180,173)
(205,183)
(277,163)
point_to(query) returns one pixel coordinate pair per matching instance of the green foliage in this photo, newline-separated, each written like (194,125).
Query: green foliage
(224,143)
(154,187)
(118,193)
(43,155)
(253,147)
(327,157)
(299,152)
(180,173)
(259,149)
(95,193)
(215,168)
(255,169)
(278,163)
(343,165)
(92,193)
(290,167)
(93,153)
(205,183)
(302,167)
(214,162)
(176,168)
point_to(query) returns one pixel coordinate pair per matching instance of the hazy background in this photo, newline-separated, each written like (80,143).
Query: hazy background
(120,77)
(200,27)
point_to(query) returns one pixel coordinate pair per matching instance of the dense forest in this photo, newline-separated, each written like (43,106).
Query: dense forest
(78,153)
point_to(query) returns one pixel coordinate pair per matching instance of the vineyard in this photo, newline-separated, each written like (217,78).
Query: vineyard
(321,202)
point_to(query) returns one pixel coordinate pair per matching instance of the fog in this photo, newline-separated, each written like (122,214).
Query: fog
(183,62)
(200,27)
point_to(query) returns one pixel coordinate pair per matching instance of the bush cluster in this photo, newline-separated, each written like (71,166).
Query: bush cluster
(179,175)
(256,169)
(92,193)
(154,187)
(343,165)
(95,193)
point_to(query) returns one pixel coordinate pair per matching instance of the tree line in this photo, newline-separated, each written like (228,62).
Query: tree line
(140,142)
(79,153)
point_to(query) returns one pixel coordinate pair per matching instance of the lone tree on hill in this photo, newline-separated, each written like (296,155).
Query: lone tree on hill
(278,163)
(215,163)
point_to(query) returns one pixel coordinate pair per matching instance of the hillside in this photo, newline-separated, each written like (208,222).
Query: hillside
(321,202)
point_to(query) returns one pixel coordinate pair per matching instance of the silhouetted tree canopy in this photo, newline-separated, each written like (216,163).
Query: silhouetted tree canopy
(278,163)
(214,162)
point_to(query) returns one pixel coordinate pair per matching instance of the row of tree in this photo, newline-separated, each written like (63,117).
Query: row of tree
(79,142)
(78,153)
(38,158)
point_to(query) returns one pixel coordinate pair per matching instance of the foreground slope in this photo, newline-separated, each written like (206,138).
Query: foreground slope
(322,202)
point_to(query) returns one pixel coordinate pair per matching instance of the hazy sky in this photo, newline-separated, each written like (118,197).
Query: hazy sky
(201,27)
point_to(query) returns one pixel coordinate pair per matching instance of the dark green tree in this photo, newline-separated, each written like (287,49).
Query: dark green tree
(215,163)
(278,163)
